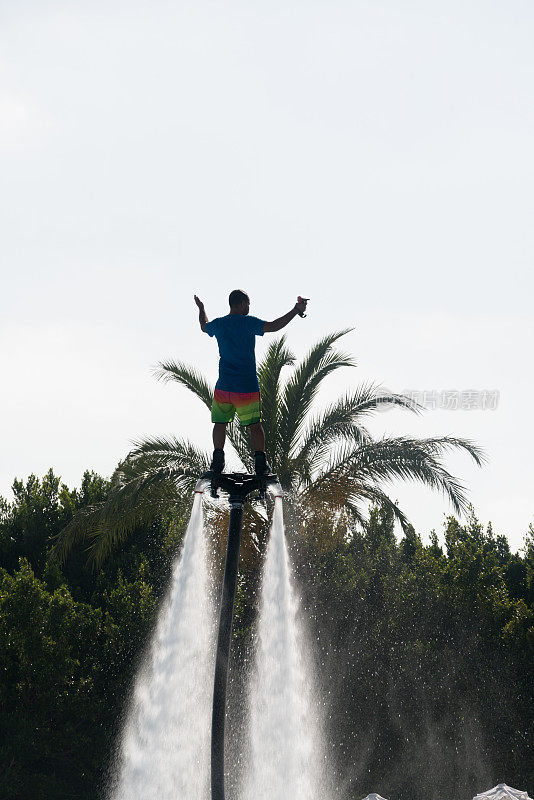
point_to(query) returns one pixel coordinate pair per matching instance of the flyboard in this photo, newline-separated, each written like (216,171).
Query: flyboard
(238,486)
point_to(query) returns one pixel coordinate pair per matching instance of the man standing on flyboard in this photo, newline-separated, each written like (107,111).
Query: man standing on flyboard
(237,388)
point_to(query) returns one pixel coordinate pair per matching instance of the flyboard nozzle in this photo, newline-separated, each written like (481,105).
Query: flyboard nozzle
(201,485)
(237,485)
(276,490)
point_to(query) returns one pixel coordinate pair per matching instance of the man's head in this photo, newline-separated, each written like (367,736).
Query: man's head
(239,302)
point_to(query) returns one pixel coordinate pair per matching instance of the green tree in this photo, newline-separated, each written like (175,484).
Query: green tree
(425,659)
(39,511)
(64,671)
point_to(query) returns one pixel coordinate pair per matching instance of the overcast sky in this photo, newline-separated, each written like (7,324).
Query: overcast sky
(376,157)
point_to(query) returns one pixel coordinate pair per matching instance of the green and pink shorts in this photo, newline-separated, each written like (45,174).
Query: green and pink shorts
(225,404)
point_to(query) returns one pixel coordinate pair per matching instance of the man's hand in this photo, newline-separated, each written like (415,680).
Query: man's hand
(281,322)
(301,304)
(202,318)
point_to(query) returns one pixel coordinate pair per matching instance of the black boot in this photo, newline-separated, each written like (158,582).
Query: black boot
(217,462)
(261,467)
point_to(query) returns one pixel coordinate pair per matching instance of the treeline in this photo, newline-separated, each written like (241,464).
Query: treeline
(427,655)
(424,654)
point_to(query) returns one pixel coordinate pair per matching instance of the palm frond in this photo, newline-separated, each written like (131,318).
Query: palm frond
(277,357)
(186,376)
(378,496)
(300,390)
(85,520)
(357,514)
(106,525)
(331,490)
(339,422)
(154,477)
(441,444)
(161,451)
(369,398)
(142,507)
(408,459)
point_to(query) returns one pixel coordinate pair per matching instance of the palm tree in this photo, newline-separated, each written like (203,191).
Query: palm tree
(326,462)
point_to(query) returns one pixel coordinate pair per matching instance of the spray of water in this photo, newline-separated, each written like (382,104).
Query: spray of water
(165,744)
(286,758)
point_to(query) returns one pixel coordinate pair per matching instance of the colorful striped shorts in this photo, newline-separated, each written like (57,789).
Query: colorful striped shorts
(225,404)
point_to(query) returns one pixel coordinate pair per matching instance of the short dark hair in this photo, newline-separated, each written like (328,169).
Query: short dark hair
(237,297)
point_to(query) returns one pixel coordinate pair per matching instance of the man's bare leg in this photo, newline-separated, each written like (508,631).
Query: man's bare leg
(219,435)
(257,436)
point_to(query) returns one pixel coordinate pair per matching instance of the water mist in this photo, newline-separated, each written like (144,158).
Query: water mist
(165,744)
(286,757)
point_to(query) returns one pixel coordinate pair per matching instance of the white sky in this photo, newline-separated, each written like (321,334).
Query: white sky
(375,156)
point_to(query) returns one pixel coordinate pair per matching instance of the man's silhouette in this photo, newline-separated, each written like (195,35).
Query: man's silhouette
(237,388)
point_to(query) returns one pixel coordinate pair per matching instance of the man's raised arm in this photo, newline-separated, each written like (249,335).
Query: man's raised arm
(281,322)
(202,318)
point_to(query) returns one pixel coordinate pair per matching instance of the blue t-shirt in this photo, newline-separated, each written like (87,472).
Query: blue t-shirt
(235,336)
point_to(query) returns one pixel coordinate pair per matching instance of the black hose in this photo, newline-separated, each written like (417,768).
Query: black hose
(223,650)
